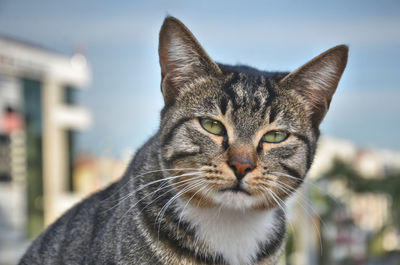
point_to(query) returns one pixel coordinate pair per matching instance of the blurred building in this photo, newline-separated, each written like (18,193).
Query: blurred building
(354,217)
(39,120)
(94,173)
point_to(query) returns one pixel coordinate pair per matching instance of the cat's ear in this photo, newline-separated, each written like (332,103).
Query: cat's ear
(182,59)
(317,80)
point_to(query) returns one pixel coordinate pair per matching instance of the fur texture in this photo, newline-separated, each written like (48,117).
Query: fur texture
(193,195)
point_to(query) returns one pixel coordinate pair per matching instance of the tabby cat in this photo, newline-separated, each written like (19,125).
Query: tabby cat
(209,187)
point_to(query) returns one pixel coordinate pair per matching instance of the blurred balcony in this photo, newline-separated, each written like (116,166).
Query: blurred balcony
(38,121)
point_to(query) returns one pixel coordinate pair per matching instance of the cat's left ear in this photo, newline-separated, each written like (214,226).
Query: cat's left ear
(182,59)
(316,81)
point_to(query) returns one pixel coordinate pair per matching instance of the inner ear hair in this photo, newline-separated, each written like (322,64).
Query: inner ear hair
(317,80)
(182,59)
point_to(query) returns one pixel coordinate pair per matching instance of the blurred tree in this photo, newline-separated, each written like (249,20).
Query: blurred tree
(387,184)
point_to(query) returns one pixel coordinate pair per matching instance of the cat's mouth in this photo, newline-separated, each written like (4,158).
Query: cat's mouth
(236,189)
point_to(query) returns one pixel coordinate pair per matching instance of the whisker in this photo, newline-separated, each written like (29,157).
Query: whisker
(205,193)
(282,186)
(285,175)
(279,174)
(277,199)
(147,173)
(177,195)
(172,185)
(198,203)
(170,201)
(183,210)
(166,179)
(181,183)
(308,203)
(120,200)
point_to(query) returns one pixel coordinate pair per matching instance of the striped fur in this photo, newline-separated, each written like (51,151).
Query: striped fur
(180,201)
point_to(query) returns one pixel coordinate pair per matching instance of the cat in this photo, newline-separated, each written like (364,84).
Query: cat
(209,187)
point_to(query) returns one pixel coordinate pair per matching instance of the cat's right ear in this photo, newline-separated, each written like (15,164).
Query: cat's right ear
(316,81)
(182,59)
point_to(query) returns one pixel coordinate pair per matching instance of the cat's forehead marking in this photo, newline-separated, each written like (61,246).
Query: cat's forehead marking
(247,103)
(243,90)
(247,91)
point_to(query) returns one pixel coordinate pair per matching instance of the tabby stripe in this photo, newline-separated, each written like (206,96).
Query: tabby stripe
(223,104)
(225,143)
(271,95)
(168,237)
(293,172)
(263,110)
(180,155)
(260,81)
(232,81)
(256,105)
(260,147)
(272,115)
(305,140)
(302,138)
(170,134)
(229,91)
(270,99)
(285,152)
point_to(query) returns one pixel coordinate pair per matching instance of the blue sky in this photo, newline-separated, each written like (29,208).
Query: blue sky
(120,39)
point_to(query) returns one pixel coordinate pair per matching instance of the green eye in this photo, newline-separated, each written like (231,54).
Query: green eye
(275,136)
(212,126)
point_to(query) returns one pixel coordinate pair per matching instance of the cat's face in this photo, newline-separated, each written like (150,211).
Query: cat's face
(239,138)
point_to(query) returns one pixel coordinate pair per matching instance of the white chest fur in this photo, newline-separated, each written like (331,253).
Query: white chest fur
(237,235)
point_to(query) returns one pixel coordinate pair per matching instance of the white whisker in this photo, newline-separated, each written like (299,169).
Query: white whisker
(171,185)
(170,201)
(183,210)
(283,186)
(149,184)
(147,173)
(162,187)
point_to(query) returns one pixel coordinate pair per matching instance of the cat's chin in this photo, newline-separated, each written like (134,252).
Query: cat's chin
(235,200)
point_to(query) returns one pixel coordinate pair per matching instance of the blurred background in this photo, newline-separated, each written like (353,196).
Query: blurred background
(79,93)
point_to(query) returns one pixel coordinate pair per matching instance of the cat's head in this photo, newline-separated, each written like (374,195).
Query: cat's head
(238,137)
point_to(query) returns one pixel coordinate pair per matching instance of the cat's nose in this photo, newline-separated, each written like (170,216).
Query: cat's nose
(241,164)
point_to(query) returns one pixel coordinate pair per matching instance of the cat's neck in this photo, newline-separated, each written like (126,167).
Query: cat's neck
(240,236)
